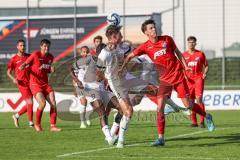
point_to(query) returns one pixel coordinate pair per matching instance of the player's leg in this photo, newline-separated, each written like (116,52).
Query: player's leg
(113,103)
(50,97)
(183,93)
(199,93)
(16,116)
(39,96)
(127,114)
(194,116)
(29,103)
(27,96)
(200,103)
(160,120)
(99,108)
(83,102)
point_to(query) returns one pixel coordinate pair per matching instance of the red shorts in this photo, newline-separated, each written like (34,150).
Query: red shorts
(24,89)
(45,89)
(196,87)
(182,89)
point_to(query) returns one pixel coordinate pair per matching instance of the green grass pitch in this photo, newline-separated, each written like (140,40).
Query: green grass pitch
(182,142)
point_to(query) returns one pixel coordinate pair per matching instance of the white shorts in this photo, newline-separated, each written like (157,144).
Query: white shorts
(120,88)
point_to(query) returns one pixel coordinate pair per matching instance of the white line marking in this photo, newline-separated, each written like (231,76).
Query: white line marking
(131,145)
(149,157)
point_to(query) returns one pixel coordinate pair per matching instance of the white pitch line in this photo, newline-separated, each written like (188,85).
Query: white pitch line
(149,157)
(131,145)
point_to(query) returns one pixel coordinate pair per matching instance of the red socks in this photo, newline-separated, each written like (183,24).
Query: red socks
(160,122)
(196,108)
(194,117)
(53,116)
(201,117)
(39,116)
(23,110)
(30,112)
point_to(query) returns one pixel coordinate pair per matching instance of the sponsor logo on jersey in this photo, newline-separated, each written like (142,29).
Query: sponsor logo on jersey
(192,63)
(45,66)
(159,53)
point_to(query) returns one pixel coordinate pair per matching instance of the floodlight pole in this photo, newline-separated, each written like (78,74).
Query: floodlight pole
(27,27)
(124,19)
(173,19)
(184,27)
(75,29)
(223,45)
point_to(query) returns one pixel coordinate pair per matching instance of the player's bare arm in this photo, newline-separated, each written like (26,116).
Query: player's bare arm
(181,58)
(205,71)
(23,66)
(126,61)
(75,79)
(9,73)
(100,75)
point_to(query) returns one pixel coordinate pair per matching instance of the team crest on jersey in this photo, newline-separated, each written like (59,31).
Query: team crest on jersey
(19,61)
(164,45)
(197,58)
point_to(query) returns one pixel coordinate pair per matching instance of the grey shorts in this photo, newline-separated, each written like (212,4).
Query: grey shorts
(120,88)
(106,97)
(90,94)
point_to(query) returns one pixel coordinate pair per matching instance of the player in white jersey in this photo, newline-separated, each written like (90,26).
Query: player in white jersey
(109,62)
(89,87)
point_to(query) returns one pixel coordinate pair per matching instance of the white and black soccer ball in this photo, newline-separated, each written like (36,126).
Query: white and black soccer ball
(113,19)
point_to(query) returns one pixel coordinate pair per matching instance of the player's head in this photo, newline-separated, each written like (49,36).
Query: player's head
(149,28)
(21,46)
(45,46)
(97,40)
(84,51)
(114,34)
(191,42)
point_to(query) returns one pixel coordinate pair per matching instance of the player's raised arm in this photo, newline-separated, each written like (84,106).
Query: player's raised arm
(126,61)
(72,73)
(181,58)
(27,62)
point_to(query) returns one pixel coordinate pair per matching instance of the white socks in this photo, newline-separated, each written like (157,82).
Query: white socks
(16,115)
(106,132)
(123,128)
(114,128)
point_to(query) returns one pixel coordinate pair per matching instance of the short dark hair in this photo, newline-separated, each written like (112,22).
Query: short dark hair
(45,41)
(100,47)
(145,23)
(86,47)
(97,37)
(20,41)
(192,38)
(112,29)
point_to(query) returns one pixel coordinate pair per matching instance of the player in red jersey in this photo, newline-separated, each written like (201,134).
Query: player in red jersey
(21,78)
(40,66)
(196,60)
(169,62)
(96,41)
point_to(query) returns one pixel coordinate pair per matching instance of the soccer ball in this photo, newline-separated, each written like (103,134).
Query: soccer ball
(113,19)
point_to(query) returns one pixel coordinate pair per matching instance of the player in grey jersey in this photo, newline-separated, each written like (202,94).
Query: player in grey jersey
(89,87)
